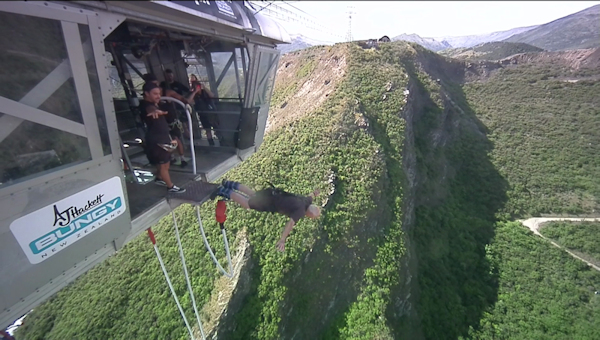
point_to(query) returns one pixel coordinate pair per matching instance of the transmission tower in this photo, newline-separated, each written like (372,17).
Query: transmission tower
(350,12)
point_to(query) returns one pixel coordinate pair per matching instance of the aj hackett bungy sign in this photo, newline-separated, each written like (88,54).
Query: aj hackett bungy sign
(53,228)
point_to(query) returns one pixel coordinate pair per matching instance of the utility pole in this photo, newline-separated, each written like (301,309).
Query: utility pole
(349,11)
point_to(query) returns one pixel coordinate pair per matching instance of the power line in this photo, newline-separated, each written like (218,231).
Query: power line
(296,8)
(276,12)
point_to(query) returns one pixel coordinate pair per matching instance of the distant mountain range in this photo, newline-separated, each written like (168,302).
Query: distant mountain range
(473,40)
(300,42)
(575,31)
(494,50)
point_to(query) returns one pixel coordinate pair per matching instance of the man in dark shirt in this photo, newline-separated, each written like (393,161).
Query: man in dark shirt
(175,124)
(173,84)
(272,200)
(159,144)
(203,102)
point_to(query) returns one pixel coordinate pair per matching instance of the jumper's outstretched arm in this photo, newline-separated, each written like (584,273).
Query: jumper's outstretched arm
(286,232)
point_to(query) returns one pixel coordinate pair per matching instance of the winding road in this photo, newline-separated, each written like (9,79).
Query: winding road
(534,224)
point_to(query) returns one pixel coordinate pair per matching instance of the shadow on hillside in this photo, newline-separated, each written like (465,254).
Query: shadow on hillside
(458,193)
(323,285)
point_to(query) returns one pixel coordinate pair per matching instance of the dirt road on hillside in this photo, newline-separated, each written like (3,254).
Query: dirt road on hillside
(534,224)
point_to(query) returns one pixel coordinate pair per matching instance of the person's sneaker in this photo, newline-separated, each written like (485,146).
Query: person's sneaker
(176,190)
(221,191)
(160,182)
(176,162)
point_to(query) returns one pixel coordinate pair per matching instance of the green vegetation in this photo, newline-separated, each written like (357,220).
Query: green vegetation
(279,97)
(490,51)
(521,142)
(458,193)
(582,237)
(307,68)
(544,293)
(545,134)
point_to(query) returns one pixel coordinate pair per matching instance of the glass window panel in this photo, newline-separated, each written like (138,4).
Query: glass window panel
(265,78)
(34,149)
(228,86)
(116,88)
(34,49)
(137,80)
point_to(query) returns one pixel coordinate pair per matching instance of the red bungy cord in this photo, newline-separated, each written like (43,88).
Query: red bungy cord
(151,235)
(220,212)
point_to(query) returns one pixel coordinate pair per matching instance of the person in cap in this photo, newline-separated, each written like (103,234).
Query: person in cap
(159,143)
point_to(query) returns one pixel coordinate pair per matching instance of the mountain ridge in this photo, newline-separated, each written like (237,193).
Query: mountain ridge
(579,30)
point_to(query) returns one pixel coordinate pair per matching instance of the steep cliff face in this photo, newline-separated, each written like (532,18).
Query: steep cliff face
(457,192)
(413,264)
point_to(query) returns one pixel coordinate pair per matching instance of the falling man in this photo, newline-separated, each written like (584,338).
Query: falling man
(272,200)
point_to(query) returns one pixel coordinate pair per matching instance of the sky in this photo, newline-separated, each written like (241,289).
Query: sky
(374,19)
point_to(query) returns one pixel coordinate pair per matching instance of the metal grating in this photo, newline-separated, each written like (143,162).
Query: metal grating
(196,192)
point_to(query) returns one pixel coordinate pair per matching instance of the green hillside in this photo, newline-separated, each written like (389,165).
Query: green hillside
(420,176)
(576,31)
(581,237)
(490,51)
(544,293)
(544,121)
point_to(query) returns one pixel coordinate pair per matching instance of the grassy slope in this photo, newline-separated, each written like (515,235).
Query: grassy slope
(470,266)
(547,137)
(582,237)
(544,293)
(351,259)
(490,51)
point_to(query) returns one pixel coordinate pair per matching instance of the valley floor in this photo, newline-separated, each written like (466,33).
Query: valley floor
(535,223)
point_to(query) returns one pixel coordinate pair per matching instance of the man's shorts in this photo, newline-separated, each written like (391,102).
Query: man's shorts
(157,155)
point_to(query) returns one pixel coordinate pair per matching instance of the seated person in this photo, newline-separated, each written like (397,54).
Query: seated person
(176,126)
(159,144)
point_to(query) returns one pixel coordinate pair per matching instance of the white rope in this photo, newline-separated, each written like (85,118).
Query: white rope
(227,250)
(228,274)
(162,265)
(187,277)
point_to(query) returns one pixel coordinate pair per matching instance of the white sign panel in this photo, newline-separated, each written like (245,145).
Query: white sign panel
(53,228)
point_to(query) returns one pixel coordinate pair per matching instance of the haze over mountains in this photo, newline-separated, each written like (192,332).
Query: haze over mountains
(575,31)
